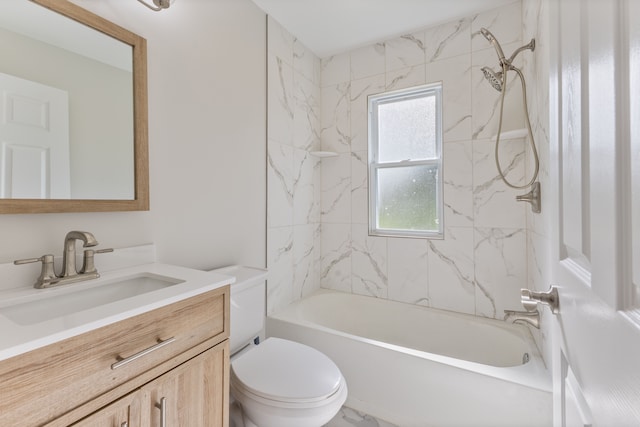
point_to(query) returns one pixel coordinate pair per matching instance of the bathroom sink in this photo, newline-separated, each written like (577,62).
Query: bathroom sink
(47,306)
(130,284)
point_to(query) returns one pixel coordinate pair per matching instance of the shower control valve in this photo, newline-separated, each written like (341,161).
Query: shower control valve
(532,197)
(549,298)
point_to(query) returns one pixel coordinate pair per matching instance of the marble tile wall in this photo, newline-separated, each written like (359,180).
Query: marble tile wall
(317,208)
(293,173)
(535,22)
(481,264)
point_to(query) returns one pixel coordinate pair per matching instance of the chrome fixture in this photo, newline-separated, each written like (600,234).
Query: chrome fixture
(158,4)
(550,298)
(532,197)
(69,274)
(498,79)
(47,274)
(125,361)
(487,35)
(69,253)
(491,38)
(495,78)
(530,317)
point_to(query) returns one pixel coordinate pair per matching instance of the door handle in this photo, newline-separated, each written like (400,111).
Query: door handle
(549,298)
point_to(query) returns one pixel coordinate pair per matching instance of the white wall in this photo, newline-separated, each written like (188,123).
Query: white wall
(207,130)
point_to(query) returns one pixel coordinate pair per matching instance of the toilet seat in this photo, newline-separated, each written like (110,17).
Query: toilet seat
(286,374)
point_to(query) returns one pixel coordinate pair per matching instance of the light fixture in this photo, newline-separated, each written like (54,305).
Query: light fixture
(159,4)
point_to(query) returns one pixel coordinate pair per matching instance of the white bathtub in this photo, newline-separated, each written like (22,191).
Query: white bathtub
(416,366)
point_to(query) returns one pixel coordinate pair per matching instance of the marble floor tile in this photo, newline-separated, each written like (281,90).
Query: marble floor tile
(348,417)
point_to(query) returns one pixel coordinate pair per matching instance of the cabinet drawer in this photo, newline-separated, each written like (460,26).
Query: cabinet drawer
(49,382)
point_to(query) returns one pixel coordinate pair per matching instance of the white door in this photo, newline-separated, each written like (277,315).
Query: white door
(595,175)
(34,140)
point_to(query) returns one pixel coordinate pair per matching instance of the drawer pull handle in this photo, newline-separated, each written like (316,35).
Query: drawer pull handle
(142,353)
(163,411)
(124,424)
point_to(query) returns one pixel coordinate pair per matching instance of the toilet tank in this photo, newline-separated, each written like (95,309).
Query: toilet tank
(248,304)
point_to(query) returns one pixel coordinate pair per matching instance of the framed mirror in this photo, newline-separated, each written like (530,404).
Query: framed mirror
(73,113)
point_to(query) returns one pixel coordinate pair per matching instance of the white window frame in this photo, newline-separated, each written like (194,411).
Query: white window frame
(434,89)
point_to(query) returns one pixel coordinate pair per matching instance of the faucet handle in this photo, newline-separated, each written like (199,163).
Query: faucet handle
(88,266)
(47,273)
(550,298)
(28,260)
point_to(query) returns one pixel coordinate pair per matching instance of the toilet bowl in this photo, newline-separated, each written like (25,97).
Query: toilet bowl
(282,383)
(275,382)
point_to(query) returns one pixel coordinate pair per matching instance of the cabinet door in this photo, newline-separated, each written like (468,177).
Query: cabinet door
(124,412)
(195,394)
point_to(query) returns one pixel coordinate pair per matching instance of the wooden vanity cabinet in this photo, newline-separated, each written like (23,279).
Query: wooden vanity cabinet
(73,382)
(191,395)
(121,413)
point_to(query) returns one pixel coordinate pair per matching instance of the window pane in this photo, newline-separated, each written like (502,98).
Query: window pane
(407,130)
(407,198)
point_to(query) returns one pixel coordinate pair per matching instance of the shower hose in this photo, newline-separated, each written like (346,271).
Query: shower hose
(536,162)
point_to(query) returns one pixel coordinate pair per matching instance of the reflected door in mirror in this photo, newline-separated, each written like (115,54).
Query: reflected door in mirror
(34,140)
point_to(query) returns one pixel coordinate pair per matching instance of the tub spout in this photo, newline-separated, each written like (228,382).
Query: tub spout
(530,317)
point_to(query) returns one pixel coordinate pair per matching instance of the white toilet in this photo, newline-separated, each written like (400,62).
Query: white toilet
(276,383)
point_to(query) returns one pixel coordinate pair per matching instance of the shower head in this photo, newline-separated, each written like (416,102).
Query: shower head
(494,78)
(487,35)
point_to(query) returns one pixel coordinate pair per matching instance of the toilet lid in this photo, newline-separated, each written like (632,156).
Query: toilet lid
(286,371)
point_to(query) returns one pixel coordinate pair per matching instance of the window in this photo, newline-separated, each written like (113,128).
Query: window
(405,162)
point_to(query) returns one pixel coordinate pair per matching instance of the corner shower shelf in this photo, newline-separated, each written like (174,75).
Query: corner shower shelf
(513,134)
(323,154)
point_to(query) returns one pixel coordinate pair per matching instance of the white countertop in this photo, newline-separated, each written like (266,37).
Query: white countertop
(16,339)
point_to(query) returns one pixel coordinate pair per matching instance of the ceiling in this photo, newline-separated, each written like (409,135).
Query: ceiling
(328,27)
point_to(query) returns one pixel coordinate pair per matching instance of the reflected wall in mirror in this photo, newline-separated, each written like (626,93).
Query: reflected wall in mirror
(73,111)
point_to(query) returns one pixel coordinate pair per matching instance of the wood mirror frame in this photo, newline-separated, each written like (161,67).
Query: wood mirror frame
(140,132)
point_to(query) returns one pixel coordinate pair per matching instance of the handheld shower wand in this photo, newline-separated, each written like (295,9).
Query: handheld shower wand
(499,82)
(487,35)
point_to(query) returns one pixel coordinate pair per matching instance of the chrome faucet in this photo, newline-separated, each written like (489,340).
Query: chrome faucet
(530,300)
(69,274)
(69,254)
(530,317)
